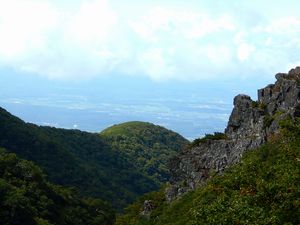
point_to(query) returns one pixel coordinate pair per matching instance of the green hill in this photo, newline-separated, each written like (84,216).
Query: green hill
(86,161)
(26,197)
(148,146)
(264,188)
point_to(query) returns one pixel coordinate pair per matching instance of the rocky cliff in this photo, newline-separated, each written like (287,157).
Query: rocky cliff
(250,125)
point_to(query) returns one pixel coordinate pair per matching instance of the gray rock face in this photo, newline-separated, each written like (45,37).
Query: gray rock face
(249,126)
(148,206)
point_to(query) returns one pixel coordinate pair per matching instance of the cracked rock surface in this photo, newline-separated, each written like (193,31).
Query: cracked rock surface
(250,125)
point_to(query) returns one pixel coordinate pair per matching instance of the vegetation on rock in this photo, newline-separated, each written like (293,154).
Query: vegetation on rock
(207,137)
(264,188)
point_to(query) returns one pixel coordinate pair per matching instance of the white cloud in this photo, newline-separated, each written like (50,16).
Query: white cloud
(22,29)
(155,63)
(92,23)
(284,25)
(94,38)
(243,51)
(189,24)
(219,55)
(37,37)
(209,25)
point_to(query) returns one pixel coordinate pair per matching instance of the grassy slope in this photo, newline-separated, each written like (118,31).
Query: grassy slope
(263,189)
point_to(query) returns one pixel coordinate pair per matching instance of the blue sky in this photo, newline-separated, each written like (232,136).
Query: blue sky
(163,40)
(178,63)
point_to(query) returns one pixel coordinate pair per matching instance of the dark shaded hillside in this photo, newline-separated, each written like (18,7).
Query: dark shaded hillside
(78,159)
(148,146)
(264,188)
(27,198)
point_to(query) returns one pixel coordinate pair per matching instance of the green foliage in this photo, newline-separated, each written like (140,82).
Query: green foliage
(264,188)
(259,105)
(268,120)
(96,165)
(278,113)
(148,146)
(207,137)
(27,198)
(132,212)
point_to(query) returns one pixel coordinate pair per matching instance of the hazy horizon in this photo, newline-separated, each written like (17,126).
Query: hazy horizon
(89,64)
(190,108)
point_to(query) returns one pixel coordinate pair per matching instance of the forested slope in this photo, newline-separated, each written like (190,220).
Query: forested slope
(148,146)
(26,197)
(93,164)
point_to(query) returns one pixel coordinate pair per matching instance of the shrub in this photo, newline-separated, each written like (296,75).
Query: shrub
(207,137)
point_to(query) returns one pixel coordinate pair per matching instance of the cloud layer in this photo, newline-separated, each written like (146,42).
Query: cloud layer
(199,40)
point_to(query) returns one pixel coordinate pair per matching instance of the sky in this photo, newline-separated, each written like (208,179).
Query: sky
(162,40)
(197,52)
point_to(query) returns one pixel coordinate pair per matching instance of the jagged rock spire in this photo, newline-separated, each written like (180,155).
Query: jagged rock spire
(250,125)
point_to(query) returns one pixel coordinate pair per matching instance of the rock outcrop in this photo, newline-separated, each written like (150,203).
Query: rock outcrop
(147,208)
(250,125)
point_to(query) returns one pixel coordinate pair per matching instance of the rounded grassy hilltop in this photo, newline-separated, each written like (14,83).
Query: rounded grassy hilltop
(149,146)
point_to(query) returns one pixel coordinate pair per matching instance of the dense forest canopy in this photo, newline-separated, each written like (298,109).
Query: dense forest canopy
(26,197)
(96,165)
(148,146)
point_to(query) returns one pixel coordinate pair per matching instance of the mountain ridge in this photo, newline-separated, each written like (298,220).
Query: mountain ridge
(250,125)
(216,180)
(249,174)
(84,160)
(147,145)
